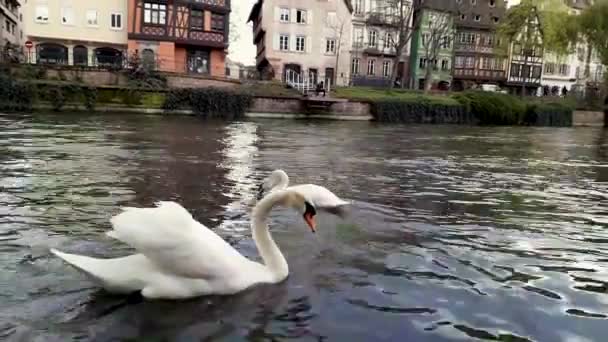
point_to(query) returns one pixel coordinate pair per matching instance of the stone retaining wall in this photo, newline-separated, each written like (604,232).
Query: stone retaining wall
(588,118)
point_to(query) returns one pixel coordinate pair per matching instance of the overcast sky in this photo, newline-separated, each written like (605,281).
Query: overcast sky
(243,49)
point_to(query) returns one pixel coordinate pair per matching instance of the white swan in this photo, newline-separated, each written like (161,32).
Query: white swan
(323,198)
(181,258)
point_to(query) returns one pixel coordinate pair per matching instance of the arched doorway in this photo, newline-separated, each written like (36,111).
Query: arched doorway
(50,53)
(291,67)
(107,56)
(148,59)
(81,55)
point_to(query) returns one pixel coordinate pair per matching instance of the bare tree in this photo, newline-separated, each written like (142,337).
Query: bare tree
(337,27)
(397,16)
(436,35)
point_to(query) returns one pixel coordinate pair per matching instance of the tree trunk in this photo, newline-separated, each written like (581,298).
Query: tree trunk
(396,61)
(428,81)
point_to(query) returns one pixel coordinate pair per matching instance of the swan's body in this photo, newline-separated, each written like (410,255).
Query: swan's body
(181,258)
(321,196)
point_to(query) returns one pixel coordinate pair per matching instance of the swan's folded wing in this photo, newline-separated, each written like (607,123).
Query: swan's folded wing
(321,198)
(170,237)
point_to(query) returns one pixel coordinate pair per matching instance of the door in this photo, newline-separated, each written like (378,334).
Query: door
(313,76)
(198,62)
(329,78)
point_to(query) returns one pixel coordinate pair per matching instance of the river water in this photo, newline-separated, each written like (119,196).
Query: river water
(456,233)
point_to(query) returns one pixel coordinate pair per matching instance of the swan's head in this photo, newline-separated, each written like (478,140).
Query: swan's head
(277,179)
(302,204)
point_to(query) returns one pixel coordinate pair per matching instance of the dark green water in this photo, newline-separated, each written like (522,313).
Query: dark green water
(457,233)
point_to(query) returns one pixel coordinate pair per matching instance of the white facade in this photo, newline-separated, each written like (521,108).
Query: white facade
(82,32)
(10,22)
(372,46)
(310,37)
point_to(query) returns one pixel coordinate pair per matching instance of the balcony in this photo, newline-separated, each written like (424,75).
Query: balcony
(472,73)
(381,19)
(225,4)
(11,9)
(473,48)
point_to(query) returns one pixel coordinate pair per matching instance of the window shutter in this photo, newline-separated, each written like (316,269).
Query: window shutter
(309,17)
(323,45)
(275,41)
(308,44)
(294,16)
(292,43)
(277,14)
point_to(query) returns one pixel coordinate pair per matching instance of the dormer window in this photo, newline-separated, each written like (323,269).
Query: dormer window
(477,17)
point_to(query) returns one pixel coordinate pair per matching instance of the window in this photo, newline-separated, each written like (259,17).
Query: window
(549,68)
(388,41)
(467,38)
(217,22)
(284,42)
(155,14)
(358,37)
(371,67)
(444,43)
(445,64)
(116,21)
(301,16)
(486,63)
(42,13)
(330,46)
(373,38)
(355,66)
(492,3)
(469,62)
(425,39)
(463,17)
(422,63)
(67,16)
(284,17)
(92,18)
(359,6)
(386,68)
(197,20)
(473,2)
(490,40)
(564,69)
(495,19)
(332,19)
(477,17)
(300,44)
(459,62)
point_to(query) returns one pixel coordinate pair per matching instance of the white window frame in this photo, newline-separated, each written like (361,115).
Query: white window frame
(371,67)
(40,12)
(386,68)
(284,42)
(88,18)
(303,14)
(355,68)
(118,15)
(300,43)
(387,40)
(284,14)
(445,64)
(372,42)
(477,17)
(64,13)
(330,46)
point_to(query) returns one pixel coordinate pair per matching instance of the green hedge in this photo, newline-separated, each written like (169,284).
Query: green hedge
(501,109)
(209,102)
(420,111)
(60,95)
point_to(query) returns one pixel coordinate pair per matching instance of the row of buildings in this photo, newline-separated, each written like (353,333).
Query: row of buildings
(184,36)
(352,42)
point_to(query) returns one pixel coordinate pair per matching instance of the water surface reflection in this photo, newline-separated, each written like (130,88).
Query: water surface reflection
(457,233)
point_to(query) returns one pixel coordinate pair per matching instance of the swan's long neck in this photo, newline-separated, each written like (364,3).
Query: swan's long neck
(282,180)
(268,249)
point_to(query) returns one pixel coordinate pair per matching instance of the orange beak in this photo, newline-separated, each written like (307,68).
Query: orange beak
(310,221)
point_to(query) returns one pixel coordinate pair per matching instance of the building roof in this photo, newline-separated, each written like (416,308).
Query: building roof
(255,10)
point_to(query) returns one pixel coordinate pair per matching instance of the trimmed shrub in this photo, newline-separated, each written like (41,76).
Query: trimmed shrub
(548,114)
(209,102)
(420,111)
(493,108)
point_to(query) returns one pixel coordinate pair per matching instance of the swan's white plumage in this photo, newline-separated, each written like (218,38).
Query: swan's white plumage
(178,257)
